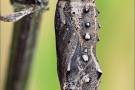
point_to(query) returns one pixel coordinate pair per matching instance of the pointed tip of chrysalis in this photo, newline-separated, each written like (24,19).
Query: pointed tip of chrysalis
(98,11)
(99,26)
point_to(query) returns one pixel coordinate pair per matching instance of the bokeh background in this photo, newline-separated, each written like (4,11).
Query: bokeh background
(115,51)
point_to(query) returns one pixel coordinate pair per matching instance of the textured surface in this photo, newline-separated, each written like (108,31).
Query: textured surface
(76,28)
(115,51)
(13,17)
(32,7)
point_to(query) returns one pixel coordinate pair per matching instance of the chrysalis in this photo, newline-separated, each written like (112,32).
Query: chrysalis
(76,29)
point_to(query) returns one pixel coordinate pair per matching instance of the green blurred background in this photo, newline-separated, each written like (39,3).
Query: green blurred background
(115,51)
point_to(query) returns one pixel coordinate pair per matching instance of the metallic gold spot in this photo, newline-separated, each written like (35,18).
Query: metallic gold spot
(87,36)
(85,50)
(85,57)
(87,24)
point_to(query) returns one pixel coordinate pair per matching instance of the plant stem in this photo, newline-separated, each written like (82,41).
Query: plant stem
(24,40)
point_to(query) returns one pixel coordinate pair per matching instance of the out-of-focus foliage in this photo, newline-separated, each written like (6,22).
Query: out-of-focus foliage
(115,51)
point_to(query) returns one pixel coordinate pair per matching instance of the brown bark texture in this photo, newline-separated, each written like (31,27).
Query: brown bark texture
(76,28)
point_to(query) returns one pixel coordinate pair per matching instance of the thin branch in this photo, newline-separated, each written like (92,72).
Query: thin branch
(24,40)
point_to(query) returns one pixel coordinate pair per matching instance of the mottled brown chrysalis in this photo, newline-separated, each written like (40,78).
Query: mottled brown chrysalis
(76,29)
